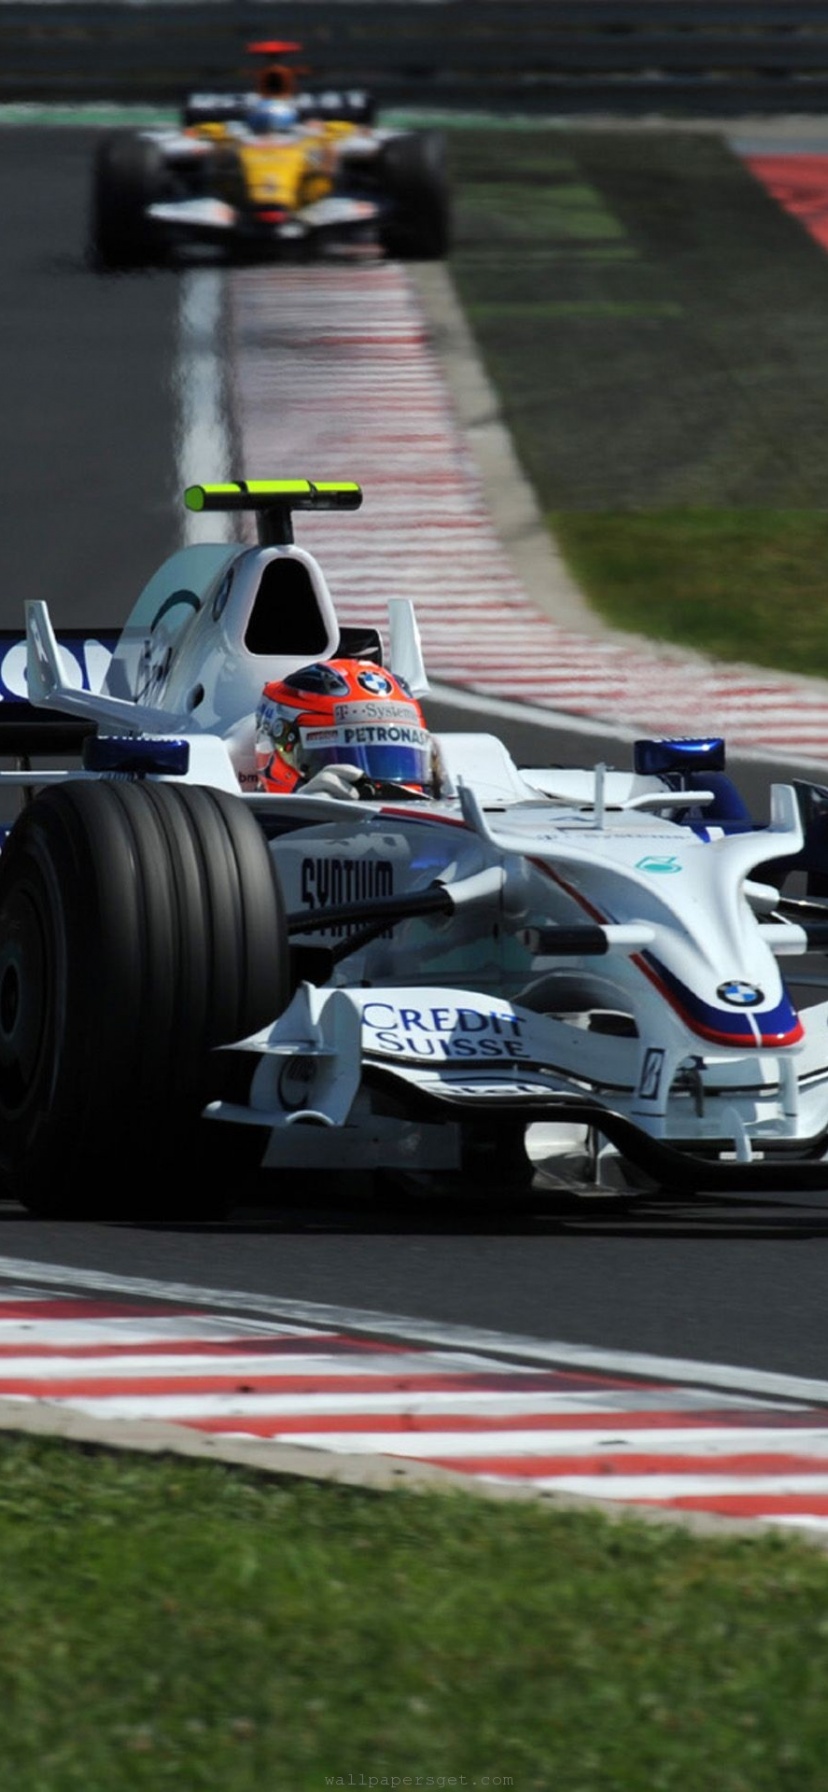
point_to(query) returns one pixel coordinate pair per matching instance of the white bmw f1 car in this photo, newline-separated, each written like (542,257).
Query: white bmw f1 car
(200,977)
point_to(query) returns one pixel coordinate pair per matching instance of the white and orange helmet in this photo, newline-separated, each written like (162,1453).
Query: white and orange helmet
(342,712)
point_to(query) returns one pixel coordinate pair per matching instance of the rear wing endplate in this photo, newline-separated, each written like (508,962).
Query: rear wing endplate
(51,685)
(27,731)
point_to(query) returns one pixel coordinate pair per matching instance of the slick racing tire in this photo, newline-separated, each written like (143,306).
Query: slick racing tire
(128,175)
(141,924)
(414,184)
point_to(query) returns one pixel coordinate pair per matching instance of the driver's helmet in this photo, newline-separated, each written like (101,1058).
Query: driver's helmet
(269,117)
(342,712)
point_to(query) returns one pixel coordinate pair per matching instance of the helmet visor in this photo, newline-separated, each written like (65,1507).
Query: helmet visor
(387,752)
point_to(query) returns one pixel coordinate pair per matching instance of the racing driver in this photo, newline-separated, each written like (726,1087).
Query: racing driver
(343,728)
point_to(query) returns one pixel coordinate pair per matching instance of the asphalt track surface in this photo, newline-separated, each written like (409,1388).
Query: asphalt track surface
(90,504)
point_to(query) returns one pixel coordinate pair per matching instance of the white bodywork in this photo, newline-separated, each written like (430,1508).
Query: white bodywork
(669,1039)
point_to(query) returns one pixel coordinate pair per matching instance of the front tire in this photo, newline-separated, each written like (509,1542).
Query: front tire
(414,183)
(140,926)
(129,174)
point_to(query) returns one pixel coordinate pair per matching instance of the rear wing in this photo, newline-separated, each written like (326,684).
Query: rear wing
(347,106)
(274,500)
(51,685)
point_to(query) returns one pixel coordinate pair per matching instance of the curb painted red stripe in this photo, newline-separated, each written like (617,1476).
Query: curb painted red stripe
(229,1347)
(746,1505)
(534,1468)
(312,1384)
(800,185)
(272,1424)
(63,1308)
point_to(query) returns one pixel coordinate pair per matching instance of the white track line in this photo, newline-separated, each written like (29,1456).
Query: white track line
(202,427)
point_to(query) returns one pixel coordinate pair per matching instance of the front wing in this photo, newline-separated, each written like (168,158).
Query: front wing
(210,219)
(405,1079)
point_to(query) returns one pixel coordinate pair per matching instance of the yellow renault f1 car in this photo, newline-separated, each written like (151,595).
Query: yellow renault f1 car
(269,173)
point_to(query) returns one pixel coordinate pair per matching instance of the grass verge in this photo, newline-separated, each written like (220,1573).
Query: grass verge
(654,324)
(738,584)
(168,1623)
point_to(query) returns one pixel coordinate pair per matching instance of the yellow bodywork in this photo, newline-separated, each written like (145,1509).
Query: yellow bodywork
(287,171)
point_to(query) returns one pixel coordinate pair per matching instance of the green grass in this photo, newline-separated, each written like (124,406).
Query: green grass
(738,584)
(171,1623)
(654,324)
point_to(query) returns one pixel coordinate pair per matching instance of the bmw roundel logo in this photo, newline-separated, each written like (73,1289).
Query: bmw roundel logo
(375,682)
(740,995)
